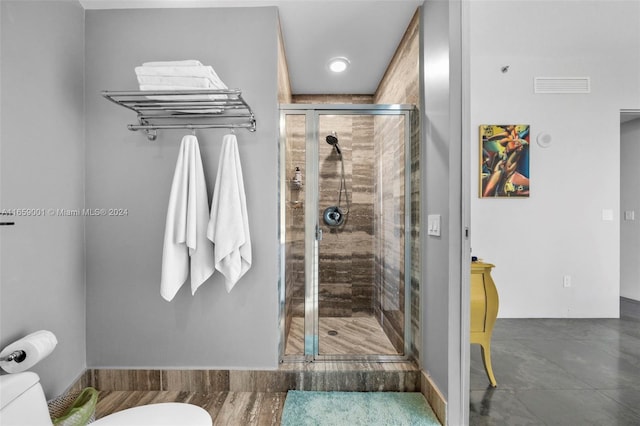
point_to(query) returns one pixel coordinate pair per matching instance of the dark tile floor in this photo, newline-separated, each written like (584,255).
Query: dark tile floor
(571,372)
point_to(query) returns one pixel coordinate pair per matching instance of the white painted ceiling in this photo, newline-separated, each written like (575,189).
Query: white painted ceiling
(367,32)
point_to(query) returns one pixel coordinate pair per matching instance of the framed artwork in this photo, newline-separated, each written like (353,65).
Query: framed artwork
(504,160)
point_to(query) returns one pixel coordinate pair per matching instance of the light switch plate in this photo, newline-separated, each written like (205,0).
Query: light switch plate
(607,214)
(630,215)
(433,225)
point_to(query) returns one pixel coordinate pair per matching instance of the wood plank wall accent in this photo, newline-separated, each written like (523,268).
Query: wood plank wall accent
(332,99)
(401,82)
(434,397)
(284,83)
(399,377)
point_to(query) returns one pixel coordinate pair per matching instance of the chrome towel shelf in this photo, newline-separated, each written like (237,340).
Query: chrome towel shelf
(185,109)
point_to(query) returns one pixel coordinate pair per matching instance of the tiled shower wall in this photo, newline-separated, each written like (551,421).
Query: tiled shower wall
(346,253)
(294,220)
(389,227)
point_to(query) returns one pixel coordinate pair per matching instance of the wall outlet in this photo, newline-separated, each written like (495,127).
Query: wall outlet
(566,281)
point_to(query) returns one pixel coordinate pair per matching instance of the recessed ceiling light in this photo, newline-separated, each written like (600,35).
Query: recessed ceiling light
(338,64)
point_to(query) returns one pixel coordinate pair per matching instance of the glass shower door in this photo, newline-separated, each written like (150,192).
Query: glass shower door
(361,178)
(293,189)
(344,174)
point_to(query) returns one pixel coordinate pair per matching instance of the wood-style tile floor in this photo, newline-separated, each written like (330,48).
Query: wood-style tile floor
(225,408)
(361,335)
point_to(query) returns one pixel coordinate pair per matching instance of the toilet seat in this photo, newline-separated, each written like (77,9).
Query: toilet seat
(163,414)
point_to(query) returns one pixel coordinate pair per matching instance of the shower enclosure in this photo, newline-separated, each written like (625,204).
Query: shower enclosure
(348,227)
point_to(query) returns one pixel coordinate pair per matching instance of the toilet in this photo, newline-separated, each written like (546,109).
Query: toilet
(22,403)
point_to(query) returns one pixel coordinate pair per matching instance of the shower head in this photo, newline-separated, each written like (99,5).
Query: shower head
(332,139)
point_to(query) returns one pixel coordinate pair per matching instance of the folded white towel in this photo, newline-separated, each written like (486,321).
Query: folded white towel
(185,76)
(153,87)
(202,71)
(229,223)
(184,236)
(161,80)
(185,63)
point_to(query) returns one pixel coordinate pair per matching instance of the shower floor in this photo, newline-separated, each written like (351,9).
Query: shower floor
(360,335)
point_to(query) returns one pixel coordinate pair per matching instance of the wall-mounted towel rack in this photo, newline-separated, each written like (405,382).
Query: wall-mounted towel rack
(185,109)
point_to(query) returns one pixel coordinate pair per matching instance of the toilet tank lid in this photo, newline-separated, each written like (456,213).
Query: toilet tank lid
(14,385)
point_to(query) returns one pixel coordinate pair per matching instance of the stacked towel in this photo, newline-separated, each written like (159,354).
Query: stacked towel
(179,75)
(186,247)
(229,224)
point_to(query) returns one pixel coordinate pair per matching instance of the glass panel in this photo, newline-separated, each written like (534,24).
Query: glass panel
(294,174)
(389,227)
(361,255)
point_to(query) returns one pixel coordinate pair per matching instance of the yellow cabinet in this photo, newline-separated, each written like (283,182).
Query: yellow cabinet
(484,311)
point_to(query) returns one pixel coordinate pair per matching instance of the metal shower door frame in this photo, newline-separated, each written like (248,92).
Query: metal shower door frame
(312,113)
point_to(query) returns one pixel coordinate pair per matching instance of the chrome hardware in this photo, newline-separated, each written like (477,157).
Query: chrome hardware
(17,356)
(177,109)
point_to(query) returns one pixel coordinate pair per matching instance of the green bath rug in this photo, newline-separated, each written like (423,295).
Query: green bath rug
(306,408)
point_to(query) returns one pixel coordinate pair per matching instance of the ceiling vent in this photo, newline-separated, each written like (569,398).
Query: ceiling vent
(562,85)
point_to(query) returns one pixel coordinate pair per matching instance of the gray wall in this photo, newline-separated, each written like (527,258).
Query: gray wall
(630,201)
(128,323)
(441,165)
(42,276)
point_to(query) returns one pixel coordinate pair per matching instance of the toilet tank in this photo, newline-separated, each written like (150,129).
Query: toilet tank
(22,401)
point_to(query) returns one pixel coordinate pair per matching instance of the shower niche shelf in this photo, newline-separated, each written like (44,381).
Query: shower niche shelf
(185,109)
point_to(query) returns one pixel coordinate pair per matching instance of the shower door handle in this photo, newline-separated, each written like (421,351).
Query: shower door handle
(318,233)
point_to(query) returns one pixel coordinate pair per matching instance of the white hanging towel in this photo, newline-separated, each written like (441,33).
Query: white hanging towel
(186,246)
(229,224)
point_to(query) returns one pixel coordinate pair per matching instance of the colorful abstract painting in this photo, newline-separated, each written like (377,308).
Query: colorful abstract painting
(504,160)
